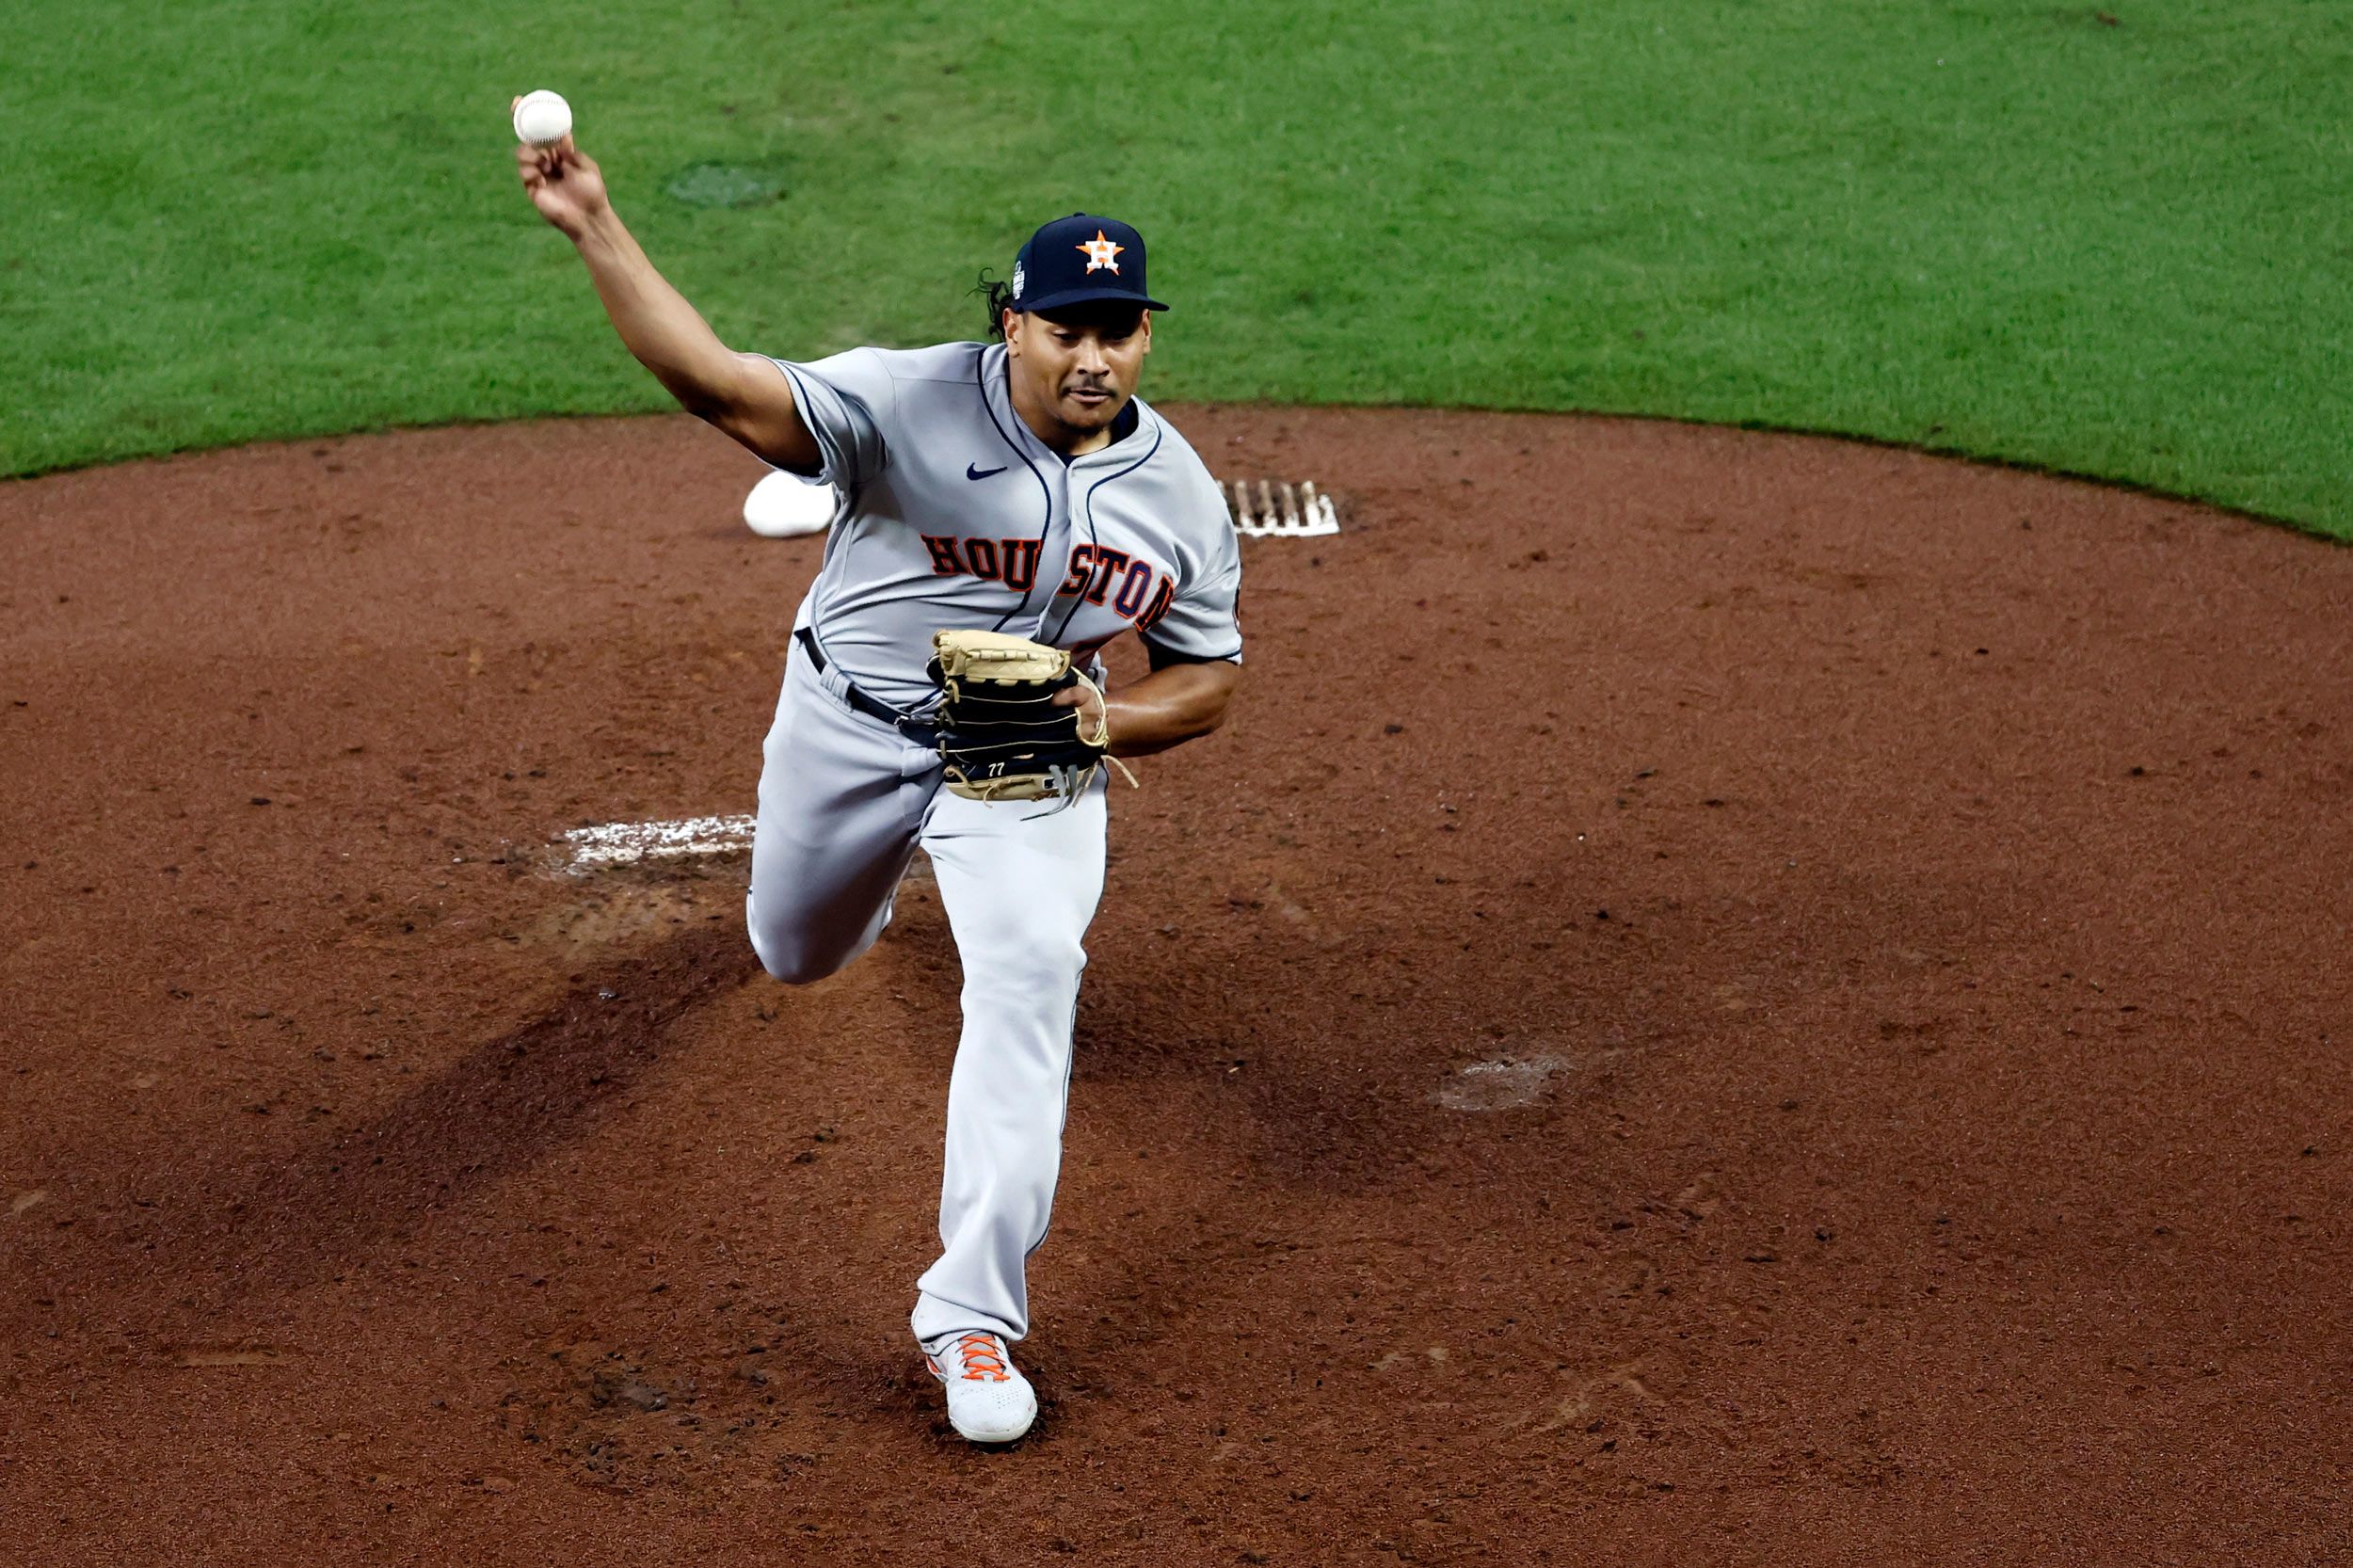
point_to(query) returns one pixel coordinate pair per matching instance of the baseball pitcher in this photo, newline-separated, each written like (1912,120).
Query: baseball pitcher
(1009,508)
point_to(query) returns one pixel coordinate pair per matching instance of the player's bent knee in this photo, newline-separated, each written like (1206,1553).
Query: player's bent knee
(794,968)
(794,961)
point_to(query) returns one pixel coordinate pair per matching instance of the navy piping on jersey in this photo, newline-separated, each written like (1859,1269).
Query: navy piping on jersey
(1092,542)
(1162,656)
(980,382)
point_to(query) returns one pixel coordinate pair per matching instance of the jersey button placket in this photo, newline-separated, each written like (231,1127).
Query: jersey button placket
(1054,559)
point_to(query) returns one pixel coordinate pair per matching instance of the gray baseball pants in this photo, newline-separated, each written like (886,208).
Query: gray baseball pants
(844,802)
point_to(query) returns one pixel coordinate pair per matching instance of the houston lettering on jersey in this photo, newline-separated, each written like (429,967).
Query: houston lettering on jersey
(1136,589)
(1012,562)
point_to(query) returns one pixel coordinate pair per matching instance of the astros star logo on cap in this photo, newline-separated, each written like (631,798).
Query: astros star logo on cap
(1100,251)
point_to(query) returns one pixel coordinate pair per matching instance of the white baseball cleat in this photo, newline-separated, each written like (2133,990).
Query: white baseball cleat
(988,1401)
(784,506)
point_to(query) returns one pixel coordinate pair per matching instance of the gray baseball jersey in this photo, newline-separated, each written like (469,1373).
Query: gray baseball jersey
(955,514)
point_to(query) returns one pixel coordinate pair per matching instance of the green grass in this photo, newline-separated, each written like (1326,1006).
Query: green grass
(1998,228)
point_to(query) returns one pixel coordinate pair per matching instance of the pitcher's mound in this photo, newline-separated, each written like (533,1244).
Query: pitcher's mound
(1717,987)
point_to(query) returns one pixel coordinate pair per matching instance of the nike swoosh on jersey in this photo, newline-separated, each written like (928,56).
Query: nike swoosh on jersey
(974,471)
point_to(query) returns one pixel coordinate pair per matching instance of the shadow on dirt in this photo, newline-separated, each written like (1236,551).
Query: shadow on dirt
(500,1107)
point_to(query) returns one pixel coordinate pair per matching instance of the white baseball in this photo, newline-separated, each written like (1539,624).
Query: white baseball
(542,118)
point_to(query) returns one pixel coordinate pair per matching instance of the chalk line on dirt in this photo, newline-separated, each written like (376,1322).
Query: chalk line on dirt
(625,844)
(629,843)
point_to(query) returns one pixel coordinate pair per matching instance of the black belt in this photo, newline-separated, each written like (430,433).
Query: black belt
(921,732)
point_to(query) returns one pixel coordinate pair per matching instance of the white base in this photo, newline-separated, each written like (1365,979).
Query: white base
(784,506)
(1289,511)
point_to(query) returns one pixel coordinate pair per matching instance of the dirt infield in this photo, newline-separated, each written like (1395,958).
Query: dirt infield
(1725,998)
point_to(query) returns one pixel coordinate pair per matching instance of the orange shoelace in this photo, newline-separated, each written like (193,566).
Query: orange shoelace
(982,1363)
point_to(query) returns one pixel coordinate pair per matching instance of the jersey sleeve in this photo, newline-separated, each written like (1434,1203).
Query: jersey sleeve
(1202,621)
(849,402)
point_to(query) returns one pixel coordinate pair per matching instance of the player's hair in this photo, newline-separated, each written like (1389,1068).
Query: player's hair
(1000,298)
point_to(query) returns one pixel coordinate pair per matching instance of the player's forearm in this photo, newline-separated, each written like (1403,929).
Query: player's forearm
(1170,707)
(667,335)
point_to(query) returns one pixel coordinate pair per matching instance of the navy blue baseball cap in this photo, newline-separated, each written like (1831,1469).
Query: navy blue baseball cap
(1079,260)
